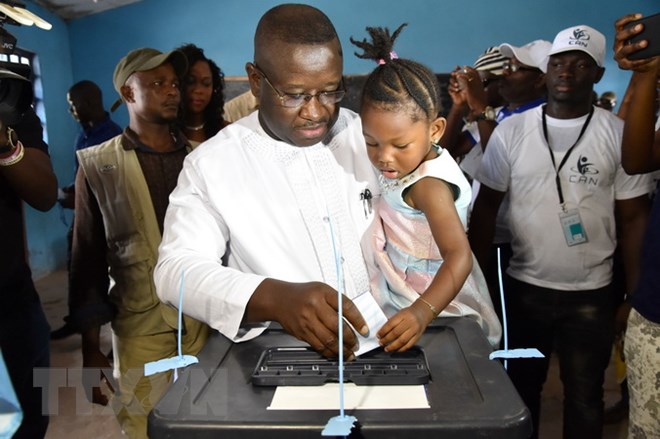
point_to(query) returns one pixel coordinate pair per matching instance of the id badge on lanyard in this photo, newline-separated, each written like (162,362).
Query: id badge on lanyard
(571,223)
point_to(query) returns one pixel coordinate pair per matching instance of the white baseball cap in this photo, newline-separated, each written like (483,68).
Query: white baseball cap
(583,38)
(534,54)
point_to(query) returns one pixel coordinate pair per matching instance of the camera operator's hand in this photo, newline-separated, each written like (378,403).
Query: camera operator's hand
(24,162)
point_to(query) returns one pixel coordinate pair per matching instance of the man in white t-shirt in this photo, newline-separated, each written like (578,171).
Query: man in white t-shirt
(560,164)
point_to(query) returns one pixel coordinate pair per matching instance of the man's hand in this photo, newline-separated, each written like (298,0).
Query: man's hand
(473,89)
(403,330)
(621,318)
(66,197)
(622,49)
(312,317)
(96,362)
(308,311)
(457,94)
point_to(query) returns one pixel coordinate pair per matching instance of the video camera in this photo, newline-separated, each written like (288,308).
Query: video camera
(16,93)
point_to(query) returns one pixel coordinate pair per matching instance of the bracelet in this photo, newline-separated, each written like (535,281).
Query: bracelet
(11,144)
(433,308)
(15,157)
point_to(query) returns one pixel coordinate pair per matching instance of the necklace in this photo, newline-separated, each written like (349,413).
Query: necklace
(389,184)
(196,128)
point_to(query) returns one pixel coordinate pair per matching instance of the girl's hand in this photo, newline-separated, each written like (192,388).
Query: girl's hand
(403,330)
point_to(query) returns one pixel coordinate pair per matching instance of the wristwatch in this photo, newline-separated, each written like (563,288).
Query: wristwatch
(12,138)
(488,114)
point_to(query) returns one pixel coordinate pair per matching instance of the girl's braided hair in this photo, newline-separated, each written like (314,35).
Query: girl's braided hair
(397,82)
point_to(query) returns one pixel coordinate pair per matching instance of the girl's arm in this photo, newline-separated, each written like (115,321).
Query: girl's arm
(435,198)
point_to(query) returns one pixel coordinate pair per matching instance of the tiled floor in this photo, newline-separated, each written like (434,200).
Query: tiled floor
(76,418)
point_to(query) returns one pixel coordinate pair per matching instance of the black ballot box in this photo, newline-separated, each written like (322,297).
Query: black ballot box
(469,395)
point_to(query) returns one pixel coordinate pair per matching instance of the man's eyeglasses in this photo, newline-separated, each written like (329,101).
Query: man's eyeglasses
(513,68)
(295,100)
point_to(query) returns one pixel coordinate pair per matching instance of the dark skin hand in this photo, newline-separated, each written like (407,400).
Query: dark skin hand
(309,312)
(457,93)
(477,100)
(95,360)
(453,139)
(69,197)
(639,152)
(622,49)
(467,80)
(40,193)
(406,327)
(469,98)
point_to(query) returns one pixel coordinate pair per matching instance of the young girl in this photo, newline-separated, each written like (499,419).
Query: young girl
(424,259)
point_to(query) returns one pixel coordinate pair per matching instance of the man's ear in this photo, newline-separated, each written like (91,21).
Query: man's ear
(254,79)
(599,75)
(127,93)
(437,128)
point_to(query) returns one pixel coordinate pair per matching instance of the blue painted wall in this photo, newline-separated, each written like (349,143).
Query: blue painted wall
(440,34)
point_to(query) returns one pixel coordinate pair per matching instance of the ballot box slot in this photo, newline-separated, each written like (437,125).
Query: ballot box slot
(279,366)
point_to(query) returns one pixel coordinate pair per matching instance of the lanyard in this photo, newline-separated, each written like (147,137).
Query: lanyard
(552,156)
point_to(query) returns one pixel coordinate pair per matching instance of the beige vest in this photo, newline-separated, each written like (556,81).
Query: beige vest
(132,237)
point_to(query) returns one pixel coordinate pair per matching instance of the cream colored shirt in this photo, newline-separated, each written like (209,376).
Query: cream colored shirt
(240,106)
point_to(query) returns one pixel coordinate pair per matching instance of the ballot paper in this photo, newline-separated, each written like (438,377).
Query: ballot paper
(326,397)
(375,319)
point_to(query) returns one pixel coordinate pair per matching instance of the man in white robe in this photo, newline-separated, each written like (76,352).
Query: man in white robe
(268,211)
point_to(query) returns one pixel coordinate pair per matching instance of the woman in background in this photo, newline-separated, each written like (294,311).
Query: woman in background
(202,102)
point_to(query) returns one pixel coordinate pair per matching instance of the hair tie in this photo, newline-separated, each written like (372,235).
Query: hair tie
(393,55)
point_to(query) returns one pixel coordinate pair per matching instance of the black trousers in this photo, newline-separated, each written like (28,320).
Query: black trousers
(579,327)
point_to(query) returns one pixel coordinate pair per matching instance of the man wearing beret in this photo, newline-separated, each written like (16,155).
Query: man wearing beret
(122,191)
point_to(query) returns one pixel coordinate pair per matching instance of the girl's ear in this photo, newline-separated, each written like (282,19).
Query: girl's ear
(437,128)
